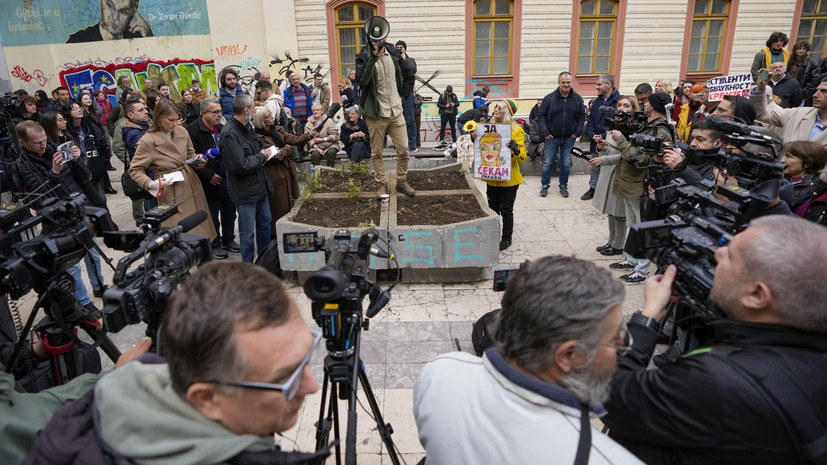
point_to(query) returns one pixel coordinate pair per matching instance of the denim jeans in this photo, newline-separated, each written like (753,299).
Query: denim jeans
(93,257)
(80,288)
(594,175)
(554,145)
(410,121)
(254,228)
(226,208)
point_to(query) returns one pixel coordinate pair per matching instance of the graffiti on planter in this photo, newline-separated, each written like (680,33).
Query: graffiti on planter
(37,76)
(457,245)
(177,74)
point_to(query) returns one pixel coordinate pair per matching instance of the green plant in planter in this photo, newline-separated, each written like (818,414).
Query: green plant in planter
(373,204)
(353,189)
(366,224)
(463,171)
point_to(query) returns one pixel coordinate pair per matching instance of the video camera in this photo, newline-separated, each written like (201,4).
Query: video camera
(68,227)
(625,122)
(337,289)
(142,294)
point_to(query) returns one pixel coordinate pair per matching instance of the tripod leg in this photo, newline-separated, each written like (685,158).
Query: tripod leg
(107,345)
(331,419)
(385,429)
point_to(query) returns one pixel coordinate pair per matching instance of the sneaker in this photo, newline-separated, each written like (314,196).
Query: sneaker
(600,249)
(441,145)
(219,254)
(564,190)
(403,187)
(588,195)
(232,247)
(110,191)
(609,251)
(543,191)
(414,150)
(634,277)
(624,265)
(505,243)
(99,292)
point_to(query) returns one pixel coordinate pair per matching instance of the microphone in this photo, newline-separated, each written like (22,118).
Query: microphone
(334,108)
(606,110)
(183,226)
(734,127)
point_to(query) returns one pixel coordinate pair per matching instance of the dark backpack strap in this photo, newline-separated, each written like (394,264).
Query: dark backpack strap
(584,445)
(794,408)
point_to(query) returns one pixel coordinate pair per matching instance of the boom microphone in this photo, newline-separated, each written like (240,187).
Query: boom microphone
(183,226)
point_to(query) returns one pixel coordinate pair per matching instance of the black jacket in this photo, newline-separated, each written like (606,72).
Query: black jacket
(94,145)
(787,93)
(36,173)
(561,116)
(474,114)
(348,99)
(409,79)
(203,140)
(348,128)
(595,119)
(808,75)
(239,147)
(443,102)
(698,409)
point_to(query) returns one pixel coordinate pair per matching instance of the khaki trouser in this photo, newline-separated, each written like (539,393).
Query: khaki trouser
(395,127)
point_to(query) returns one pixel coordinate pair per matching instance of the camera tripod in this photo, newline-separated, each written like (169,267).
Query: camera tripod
(342,370)
(63,315)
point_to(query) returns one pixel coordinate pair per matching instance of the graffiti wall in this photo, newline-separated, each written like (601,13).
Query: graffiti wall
(178,74)
(36,22)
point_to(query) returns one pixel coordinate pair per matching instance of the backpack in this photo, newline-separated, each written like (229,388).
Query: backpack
(483,330)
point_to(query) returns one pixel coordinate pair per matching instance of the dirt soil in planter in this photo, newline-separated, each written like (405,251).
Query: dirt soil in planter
(338,213)
(437,209)
(437,180)
(335,182)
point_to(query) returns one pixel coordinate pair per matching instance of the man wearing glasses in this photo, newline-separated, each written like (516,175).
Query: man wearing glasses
(754,391)
(237,371)
(558,339)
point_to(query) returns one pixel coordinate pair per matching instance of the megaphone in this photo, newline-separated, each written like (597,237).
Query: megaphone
(377,28)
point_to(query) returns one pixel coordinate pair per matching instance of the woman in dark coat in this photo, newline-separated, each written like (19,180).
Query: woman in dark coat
(355,135)
(804,160)
(805,70)
(189,109)
(284,177)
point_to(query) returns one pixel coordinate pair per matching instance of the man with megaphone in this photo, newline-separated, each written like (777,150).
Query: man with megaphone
(380,72)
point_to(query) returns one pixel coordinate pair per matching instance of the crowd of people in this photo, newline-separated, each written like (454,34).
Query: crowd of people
(237,350)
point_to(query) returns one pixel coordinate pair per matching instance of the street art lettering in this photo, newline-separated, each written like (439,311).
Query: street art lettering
(457,256)
(250,63)
(309,73)
(177,74)
(231,50)
(19,73)
(102,62)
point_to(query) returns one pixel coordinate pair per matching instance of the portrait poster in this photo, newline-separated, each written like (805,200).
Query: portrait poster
(38,22)
(492,157)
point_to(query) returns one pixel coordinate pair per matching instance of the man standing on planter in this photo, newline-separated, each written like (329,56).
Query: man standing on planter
(381,73)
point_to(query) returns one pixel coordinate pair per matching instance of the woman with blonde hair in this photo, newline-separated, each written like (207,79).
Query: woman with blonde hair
(501,194)
(665,86)
(167,151)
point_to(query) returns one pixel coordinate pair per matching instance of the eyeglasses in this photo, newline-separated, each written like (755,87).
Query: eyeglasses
(293,383)
(624,337)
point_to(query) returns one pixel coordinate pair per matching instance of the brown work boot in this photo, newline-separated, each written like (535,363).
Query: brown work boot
(383,189)
(403,187)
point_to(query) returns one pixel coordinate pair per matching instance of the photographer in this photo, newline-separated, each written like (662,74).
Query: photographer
(229,334)
(704,142)
(558,339)
(747,396)
(23,415)
(656,125)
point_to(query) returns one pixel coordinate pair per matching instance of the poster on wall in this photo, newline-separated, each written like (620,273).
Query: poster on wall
(492,157)
(37,22)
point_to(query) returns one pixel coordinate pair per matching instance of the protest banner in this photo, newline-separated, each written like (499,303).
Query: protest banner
(492,157)
(735,84)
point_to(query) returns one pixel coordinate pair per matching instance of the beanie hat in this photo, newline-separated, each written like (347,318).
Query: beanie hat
(659,101)
(402,43)
(511,105)
(449,89)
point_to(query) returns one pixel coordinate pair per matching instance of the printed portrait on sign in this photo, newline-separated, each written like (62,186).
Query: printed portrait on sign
(490,146)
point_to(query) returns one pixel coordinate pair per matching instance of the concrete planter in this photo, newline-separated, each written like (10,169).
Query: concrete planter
(447,252)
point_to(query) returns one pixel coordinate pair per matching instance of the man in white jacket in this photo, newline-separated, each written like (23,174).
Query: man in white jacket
(526,400)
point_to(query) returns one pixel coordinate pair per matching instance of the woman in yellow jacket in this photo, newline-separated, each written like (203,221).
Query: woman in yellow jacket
(501,194)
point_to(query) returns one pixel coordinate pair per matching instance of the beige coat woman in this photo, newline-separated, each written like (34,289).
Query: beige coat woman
(163,154)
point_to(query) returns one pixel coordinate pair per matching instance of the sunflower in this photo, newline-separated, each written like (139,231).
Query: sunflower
(470,126)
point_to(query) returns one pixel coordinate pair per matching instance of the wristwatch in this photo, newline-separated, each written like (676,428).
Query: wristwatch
(646,321)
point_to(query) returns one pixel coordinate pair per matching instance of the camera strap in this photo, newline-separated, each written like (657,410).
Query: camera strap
(584,445)
(791,403)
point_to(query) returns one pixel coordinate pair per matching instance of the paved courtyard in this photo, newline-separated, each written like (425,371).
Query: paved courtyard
(424,320)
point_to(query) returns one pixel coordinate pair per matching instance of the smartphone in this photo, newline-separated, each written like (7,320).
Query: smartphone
(764,75)
(501,278)
(65,149)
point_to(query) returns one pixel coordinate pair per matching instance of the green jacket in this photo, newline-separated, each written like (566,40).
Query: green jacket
(762,60)
(628,183)
(23,415)
(366,77)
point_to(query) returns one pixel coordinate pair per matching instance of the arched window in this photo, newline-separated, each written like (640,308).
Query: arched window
(492,37)
(598,19)
(812,27)
(350,20)
(708,26)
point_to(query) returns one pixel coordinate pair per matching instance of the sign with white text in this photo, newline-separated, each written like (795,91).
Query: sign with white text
(492,157)
(736,84)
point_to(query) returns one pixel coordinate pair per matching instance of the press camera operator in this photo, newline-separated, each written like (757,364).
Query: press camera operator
(235,371)
(705,142)
(753,393)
